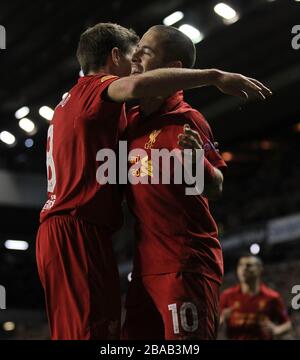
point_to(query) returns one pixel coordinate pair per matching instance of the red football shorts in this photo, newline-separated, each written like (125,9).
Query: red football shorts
(175,306)
(79,274)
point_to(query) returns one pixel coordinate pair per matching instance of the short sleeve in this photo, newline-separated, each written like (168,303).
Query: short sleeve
(278,311)
(104,82)
(211,153)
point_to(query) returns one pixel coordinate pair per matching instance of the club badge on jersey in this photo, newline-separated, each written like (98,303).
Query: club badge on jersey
(152,139)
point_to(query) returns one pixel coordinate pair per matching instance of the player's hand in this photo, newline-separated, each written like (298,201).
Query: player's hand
(190,139)
(268,327)
(241,86)
(225,315)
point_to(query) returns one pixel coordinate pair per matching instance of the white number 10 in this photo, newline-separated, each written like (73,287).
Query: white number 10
(183,310)
(50,161)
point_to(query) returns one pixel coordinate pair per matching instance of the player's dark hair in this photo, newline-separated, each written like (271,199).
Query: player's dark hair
(176,45)
(96,43)
(249,255)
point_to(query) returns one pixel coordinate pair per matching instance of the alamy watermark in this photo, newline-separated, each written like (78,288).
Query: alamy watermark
(2,298)
(157,166)
(296,38)
(296,299)
(2,37)
(161,166)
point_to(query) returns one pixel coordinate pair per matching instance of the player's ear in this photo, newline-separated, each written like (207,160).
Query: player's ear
(115,56)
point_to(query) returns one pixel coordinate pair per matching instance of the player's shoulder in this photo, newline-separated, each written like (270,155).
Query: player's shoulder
(187,114)
(97,80)
(196,117)
(102,81)
(99,85)
(186,110)
(268,292)
(231,290)
(105,78)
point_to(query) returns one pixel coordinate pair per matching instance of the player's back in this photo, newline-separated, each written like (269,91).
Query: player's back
(84,122)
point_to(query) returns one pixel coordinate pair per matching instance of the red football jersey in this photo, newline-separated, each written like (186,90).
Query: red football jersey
(248,311)
(174,232)
(83,123)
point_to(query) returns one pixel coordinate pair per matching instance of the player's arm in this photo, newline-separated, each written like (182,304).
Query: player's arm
(163,82)
(277,330)
(278,323)
(213,182)
(283,328)
(225,315)
(213,177)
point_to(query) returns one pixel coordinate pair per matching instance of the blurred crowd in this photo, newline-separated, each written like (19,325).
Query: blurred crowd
(260,188)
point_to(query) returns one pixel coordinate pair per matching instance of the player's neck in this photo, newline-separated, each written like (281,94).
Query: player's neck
(251,287)
(103,70)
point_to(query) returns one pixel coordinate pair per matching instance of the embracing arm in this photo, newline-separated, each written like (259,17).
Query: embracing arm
(166,81)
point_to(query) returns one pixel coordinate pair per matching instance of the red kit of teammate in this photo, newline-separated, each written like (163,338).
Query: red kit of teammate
(74,252)
(249,312)
(74,224)
(178,264)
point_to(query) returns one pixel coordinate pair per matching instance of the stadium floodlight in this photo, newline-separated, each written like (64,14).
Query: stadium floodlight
(16,245)
(46,112)
(29,143)
(9,326)
(173,18)
(225,11)
(255,249)
(27,125)
(22,112)
(7,138)
(194,34)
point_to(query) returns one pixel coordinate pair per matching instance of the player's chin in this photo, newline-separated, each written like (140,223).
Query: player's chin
(136,72)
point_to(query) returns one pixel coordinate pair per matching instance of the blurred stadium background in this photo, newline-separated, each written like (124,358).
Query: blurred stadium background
(260,208)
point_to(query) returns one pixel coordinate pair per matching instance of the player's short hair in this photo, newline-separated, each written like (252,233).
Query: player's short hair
(96,43)
(176,45)
(249,255)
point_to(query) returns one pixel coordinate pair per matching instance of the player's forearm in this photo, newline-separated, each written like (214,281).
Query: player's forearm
(160,82)
(283,328)
(221,322)
(213,181)
(163,82)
